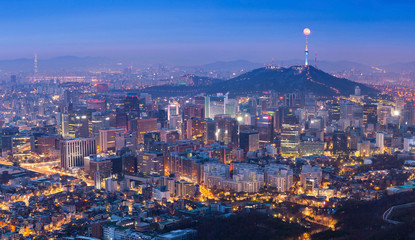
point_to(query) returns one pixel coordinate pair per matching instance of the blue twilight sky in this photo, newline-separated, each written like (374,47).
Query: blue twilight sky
(195,32)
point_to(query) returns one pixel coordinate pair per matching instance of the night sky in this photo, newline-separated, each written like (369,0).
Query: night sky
(195,32)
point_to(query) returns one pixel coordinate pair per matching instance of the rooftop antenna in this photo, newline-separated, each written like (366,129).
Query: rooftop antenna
(35,64)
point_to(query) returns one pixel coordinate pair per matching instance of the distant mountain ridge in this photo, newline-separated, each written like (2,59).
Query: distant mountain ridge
(278,79)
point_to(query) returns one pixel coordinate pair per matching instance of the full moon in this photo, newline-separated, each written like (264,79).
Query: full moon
(307,31)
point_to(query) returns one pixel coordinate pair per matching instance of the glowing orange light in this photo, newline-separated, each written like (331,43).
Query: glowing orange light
(307,31)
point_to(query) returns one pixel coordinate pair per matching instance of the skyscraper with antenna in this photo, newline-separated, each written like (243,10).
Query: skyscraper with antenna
(306,32)
(35,64)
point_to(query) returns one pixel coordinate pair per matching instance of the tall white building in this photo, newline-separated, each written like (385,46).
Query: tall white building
(380,141)
(74,150)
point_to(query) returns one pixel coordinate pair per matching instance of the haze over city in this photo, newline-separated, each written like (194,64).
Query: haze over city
(372,32)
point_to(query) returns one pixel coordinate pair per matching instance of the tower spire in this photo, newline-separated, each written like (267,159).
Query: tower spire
(35,64)
(306,32)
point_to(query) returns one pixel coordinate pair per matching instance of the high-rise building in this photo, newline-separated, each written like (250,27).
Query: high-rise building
(107,139)
(192,111)
(126,139)
(226,129)
(369,114)
(196,129)
(150,163)
(215,104)
(98,163)
(334,111)
(249,140)
(77,124)
(340,142)
(265,126)
(380,141)
(145,126)
(290,139)
(73,151)
(150,138)
(132,103)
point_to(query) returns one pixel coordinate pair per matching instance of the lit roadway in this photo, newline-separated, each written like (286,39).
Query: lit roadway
(45,168)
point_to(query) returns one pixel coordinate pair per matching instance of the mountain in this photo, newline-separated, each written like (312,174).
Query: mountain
(199,81)
(283,80)
(405,67)
(232,66)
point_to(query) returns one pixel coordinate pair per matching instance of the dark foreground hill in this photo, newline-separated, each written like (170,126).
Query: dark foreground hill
(283,80)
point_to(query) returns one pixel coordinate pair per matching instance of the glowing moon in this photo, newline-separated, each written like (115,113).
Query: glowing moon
(307,31)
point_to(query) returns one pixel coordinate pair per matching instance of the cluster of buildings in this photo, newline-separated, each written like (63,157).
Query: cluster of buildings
(137,161)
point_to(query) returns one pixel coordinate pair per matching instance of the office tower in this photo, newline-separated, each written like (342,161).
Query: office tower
(145,126)
(346,110)
(107,139)
(150,138)
(22,145)
(334,111)
(45,143)
(409,113)
(176,122)
(210,131)
(249,140)
(231,107)
(293,100)
(340,143)
(99,121)
(172,110)
(196,129)
(380,141)
(126,139)
(77,124)
(73,151)
(290,138)
(311,146)
(191,111)
(264,124)
(369,114)
(132,103)
(226,129)
(150,163)
(161,116)
(199,100)
(383,113)
(107,165)
(121,119)
(215,104)
(129,162)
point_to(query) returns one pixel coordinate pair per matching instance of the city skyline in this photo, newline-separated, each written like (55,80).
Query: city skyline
(373,33)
